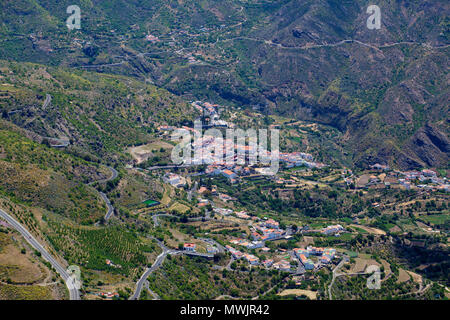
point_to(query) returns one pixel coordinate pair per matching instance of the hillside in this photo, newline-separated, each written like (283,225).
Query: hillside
(87,178)
(386,90)
(98,114)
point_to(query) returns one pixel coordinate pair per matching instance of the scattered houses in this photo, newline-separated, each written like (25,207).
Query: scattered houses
(247,244)
(426,179)
(325,256)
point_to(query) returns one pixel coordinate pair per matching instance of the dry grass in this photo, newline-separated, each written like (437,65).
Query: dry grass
(417,278)
(142,153)
(22,276)
(18,267)
(403,276)
(308,240)
(298,292)
(361,265)
(13,292)
(370,229)
(179,207)
(395,229)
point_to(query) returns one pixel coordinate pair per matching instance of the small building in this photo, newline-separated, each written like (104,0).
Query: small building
(151,38)
(202,190)
(242,215)
(256,245)
(223,211)
(256,236)
(225,197)
(189,247)
(253,260)
(330,230)
(229,174)
(428,173)
(282,265)
(272,224)
(267,263)
(307,263)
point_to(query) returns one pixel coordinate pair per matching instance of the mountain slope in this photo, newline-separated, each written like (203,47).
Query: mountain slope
(386,90)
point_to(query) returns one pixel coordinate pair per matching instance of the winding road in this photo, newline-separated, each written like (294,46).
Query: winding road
(155,218)
(214,243)
(158,262)
(335,274)
(60,143)
(73,291)
(48,100)
(108,205)
(306,47)
(156,223)
(114,175)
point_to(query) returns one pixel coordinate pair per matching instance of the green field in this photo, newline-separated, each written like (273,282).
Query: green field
(151,203)
(437,218)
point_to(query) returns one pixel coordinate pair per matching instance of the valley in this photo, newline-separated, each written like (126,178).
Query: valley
(357,123)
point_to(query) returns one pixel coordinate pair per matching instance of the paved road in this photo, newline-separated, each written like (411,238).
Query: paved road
(192,253)
(191,191)
(155,218)
(48,100)
(159,260)
(108,204)
(114,174)
(156,223)
(58,143)
(169,167)
(307,47)
(74,293)
(214,244)
(228,267)
(335,274)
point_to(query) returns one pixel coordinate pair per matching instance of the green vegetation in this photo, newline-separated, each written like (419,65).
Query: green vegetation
(34,292)
(91,247)
(193,278)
